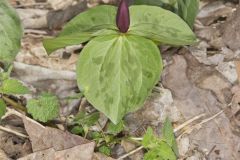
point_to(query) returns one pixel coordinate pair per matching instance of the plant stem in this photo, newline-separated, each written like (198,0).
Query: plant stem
(14,104)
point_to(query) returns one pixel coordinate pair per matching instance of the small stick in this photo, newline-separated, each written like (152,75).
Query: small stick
(211,118)
(201,123)
(130,153)
(13,132)
(188,122)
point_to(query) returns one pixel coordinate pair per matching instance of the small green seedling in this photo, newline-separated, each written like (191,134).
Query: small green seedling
(163,148)
(120,65)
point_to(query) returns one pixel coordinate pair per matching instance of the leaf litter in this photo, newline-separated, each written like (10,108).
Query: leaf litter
(203,79)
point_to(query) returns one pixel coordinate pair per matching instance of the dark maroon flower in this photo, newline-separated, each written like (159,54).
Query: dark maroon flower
(123,18)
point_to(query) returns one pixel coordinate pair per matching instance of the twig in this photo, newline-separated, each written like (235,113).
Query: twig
(211,118)
(131,153)
(188,122)
(200,124)
(13,132)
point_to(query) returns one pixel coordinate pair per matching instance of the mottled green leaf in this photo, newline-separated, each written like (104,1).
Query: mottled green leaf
(52,44)
(160,25)
(10,33)
(115,128)
(188,10)
(96,21)
(151,2)
(45,108)
(166,4)
(3,107)
(154,2)
(168,135)
(117,72)
(13,86)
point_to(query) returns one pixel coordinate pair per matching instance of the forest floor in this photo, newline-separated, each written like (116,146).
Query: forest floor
(199,89)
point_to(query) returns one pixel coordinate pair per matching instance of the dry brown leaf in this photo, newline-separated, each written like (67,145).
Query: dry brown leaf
(80,152)
(54,144)
(3,155)
(231,31)
(40,155)
(45,137)
(13,146)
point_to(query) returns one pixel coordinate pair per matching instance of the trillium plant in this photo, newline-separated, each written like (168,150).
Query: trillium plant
(121,63)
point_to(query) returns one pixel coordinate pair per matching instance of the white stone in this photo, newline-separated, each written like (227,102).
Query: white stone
(183,145)
(228,70)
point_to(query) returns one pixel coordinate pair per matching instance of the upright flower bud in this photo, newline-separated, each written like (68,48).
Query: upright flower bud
(123,18)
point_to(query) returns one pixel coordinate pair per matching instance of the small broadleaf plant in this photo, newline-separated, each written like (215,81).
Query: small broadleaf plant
(120,65)
(160,148)
(44,108)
